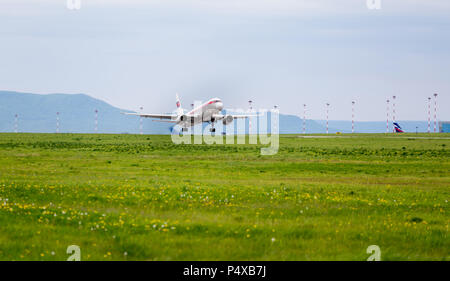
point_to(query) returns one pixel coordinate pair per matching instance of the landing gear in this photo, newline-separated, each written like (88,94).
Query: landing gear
(212,129)
(182,131)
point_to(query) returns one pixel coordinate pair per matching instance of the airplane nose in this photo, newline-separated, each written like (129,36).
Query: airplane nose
(219,105)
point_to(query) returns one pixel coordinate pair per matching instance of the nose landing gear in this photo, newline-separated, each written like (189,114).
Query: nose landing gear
(182,131)
(212,129)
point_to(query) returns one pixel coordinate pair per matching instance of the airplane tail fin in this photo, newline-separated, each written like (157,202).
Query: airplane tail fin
(397,128)
(180,110)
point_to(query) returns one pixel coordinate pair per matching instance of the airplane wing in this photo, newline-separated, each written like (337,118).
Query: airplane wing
(167,121)
(159,116)
(221,116)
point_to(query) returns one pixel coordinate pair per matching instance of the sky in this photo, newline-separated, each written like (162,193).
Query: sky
(133,53)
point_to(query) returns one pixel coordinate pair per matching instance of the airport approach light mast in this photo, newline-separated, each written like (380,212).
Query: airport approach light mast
(96,121)
(140,121)
(275,107)
(16,123)
(252,131)
(304,119)
(435,111)
(429,115)
(57,122)
(393,112)
(250,108)
(387,116)
(353,117)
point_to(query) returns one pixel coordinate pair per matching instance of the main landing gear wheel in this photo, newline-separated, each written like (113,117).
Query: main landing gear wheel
(182,131)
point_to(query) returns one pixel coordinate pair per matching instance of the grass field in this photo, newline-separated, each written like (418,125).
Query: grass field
(133,197)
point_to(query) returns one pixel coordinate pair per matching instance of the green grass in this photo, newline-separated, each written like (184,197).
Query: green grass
(132,197)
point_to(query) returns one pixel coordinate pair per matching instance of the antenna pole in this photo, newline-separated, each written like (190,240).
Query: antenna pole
(96,121)
(57,122)
(250,109)
(140,122)
(353,117)
(429,115)
(393,112)
(304,119)
(435,112)
(387,116)
(16,123)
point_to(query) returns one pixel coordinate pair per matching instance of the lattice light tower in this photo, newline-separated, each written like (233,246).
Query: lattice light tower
(435,111)
(387,116)
(250,109)
(304,119)
(353,117)
(275,107)
(16,123)
(141,126)
(429,115)
(96,121)
(57,122)
(393,112)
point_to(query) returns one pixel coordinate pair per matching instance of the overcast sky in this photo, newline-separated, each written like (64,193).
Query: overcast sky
(134,53)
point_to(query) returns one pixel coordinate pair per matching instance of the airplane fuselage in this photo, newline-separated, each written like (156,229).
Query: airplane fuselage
(202,113)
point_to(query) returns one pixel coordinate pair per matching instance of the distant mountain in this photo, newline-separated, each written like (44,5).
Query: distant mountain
(37,113)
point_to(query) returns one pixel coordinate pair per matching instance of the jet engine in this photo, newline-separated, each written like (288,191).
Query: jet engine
(183,118)
(227,119)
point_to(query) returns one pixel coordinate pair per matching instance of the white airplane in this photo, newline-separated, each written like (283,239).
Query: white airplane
(208,112)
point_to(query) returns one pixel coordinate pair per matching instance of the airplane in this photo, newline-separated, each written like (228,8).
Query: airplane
(209,112)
